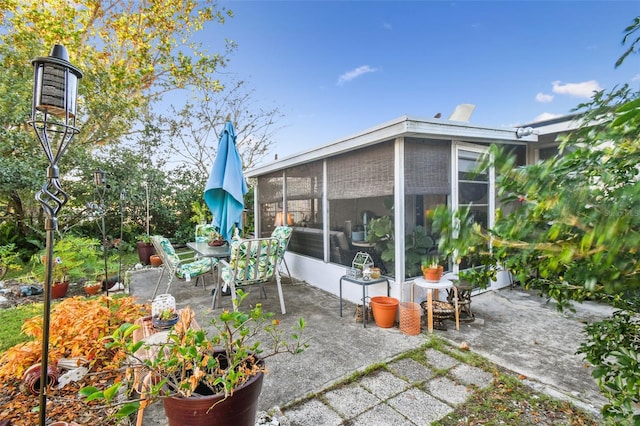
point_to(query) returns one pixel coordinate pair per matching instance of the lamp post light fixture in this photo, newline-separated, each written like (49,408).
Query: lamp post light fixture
(53,118)
(123,198)
(100,179)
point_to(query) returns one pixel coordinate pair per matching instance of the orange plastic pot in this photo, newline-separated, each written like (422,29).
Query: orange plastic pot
(384,310)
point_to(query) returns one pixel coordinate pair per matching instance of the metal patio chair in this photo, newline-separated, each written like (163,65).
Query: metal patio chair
(283,234)
(184,266)
(252,261)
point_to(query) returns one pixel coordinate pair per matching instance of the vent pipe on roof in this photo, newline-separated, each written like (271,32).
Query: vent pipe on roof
(462,112)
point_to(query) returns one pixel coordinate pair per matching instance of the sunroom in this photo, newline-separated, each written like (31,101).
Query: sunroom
(386,179)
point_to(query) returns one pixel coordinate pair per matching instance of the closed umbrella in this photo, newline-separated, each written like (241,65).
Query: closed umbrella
(226,186)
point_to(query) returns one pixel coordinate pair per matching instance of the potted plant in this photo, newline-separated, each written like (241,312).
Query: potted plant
(59,289)
(60,278)
(203,379)
(92,287)
(431,270)
(215,238)
(74,259)
(145,248)
(165,318)
(417,244)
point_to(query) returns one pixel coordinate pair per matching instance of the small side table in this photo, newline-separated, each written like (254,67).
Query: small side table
(364,284)
(443,284)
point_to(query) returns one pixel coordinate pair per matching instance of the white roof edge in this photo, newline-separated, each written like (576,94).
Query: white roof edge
(403,126)
(563,123)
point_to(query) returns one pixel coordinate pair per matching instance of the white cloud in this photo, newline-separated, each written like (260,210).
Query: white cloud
(636,77)
(355,73)
(544,98)
(387,26)
(546,116)
(578,90)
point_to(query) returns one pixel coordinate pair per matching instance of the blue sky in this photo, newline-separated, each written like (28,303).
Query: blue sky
(335,68)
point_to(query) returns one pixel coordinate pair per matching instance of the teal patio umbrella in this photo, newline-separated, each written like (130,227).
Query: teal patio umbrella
(226,186)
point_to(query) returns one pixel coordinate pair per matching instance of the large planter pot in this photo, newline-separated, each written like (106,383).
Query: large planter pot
(145,250)
(384,310)
(238,409)
(59,290)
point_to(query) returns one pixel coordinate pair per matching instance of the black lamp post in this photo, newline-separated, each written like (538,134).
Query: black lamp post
(100,179)
(123,197)
(53,117)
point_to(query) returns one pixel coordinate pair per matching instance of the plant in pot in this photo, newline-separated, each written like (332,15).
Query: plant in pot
(431,269)
(145,248)
(60,278)
(95,286)
(202,379)
(165,318)
(74,259)
(215,239)
(417,244)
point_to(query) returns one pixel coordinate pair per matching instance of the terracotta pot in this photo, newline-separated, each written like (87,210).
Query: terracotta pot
(94,289)
(145,250)
(432,274)
(155,260)
(384,310)
(59,290)
(238,409)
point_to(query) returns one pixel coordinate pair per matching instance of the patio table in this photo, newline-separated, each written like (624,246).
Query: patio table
(364,283)
(203,249)
(444,284)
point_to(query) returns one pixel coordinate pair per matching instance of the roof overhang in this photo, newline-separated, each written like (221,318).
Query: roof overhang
(407,127)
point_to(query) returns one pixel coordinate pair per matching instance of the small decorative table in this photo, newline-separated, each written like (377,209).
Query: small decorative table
(444,284)
(364,284)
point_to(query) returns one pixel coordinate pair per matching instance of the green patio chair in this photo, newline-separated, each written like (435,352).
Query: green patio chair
(283,234)
(203,231)
(252,261)
(184,266)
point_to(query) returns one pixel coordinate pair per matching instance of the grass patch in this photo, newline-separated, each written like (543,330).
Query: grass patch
(12,320)
(506,401)
(509,401)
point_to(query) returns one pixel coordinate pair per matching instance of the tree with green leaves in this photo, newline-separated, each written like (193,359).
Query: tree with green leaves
(571,229)
(131,53)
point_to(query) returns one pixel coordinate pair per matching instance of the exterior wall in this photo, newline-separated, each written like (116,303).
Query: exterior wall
(326,276)
(389,162)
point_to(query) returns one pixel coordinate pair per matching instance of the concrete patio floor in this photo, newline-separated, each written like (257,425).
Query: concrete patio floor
(514,328)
